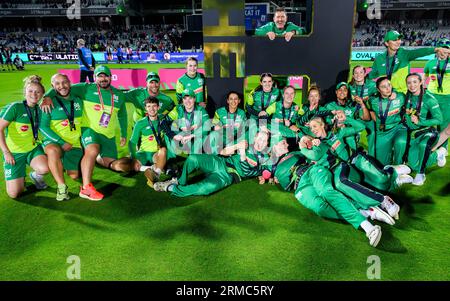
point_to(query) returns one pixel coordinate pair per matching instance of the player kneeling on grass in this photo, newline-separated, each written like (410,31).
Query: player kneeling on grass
(152,149)
(62,131)
(20,144)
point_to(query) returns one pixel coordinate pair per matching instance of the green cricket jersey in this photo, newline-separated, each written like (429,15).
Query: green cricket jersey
(19,134)
(253,164)
(335,144)
(259,101)
(350,109)
(401,65)
(113,103)
(369,88)
(147,136)
(286,167)
(55,126)
(271,27)
(224,117)
(392,109)
(278,111)
(430,113)
(139,95)
(183,121)
(196,84)
(431,70)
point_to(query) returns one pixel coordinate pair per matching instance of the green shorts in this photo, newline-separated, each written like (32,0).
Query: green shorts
(18,170)
(71,159)
(145,158)
(108,147)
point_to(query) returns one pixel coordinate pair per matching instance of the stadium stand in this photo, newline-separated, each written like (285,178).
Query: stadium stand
(160,38)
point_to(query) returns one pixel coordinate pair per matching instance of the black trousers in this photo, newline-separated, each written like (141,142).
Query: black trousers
(86,73)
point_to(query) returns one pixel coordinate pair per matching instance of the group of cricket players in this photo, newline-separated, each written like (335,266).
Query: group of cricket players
(312,150)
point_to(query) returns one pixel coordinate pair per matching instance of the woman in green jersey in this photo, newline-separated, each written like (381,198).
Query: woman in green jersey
(20,145)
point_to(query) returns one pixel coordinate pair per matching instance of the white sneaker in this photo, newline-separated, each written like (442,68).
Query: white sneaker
(391,207)
(38,180)
(401,169)
(419,179)
(162,186)
(403,179)
(381,215)
(441,154)
(374,236)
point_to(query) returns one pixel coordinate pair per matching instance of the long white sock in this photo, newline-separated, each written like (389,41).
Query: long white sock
(367,226)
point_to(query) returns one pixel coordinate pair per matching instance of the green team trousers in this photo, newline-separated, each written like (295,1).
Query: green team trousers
(390,145)
(347,180)
(444,104)
(420,155)
(315,191)
(216,176)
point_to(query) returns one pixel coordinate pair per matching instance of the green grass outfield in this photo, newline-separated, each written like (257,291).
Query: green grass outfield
(246,232)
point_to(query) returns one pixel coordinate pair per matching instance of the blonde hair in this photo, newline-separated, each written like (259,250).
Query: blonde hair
(33,79)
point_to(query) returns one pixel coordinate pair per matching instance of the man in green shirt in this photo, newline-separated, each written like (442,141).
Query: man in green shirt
(192,80)
(103,110)
(280,27)
(139,95)
(438,70)
(395,62)
(61,129)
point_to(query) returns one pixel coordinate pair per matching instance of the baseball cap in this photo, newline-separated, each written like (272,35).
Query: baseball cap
(338,86)
(444,42)
(188,93)
(102,69)
(392,35)
(152,76)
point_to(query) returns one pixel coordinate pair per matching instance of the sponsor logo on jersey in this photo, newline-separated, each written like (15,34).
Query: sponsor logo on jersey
(97,107)
(393,112)
(151,138)
(433,77)
(335,145)
(65,122)
(77,106)
(348,112)
(198,90)
(200,81)
(87,139)
(396,102)
(24,128)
